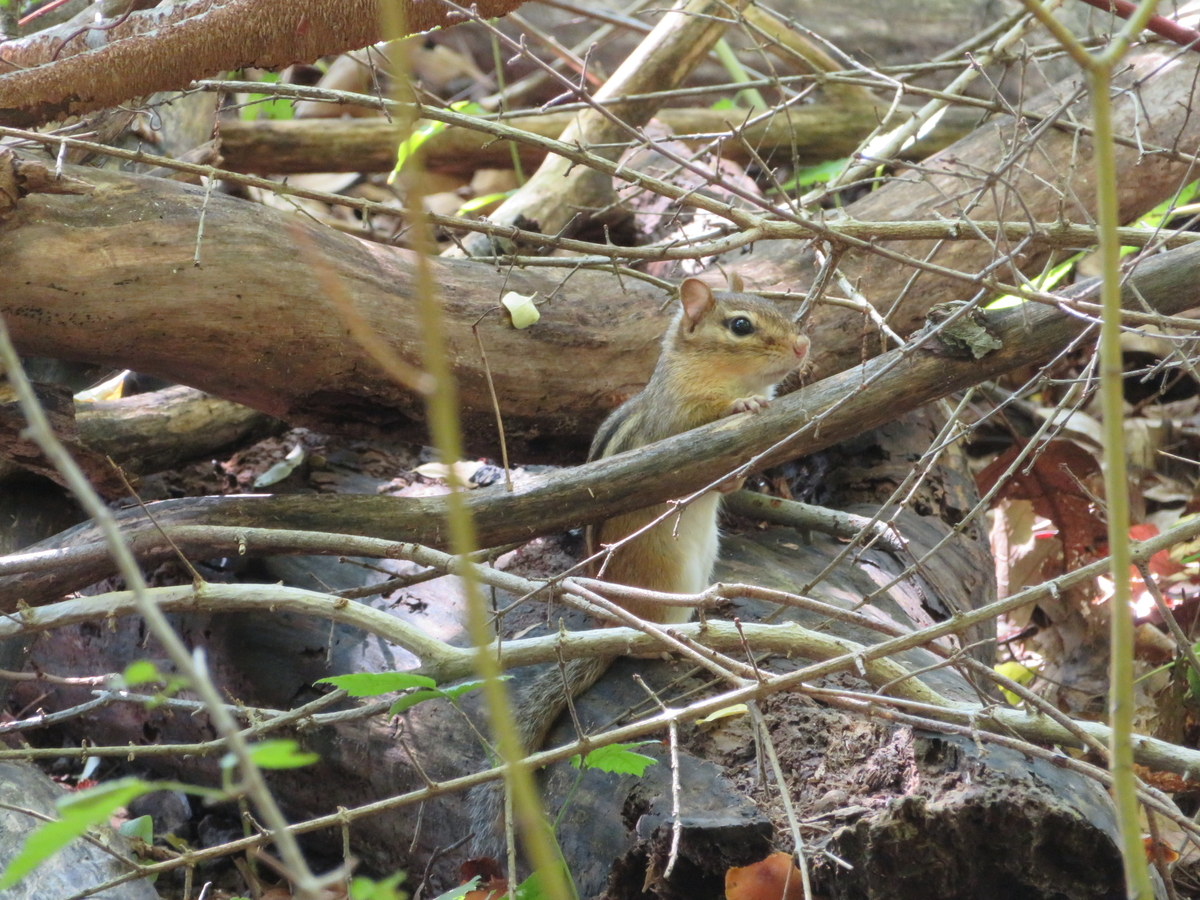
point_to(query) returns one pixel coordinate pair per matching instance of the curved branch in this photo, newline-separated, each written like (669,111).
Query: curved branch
(832,654)
(168,47)
(817,416)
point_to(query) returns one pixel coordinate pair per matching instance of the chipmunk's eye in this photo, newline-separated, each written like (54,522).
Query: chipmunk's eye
(741,326)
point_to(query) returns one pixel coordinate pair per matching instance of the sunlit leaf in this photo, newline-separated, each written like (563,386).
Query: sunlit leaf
(267,106)
(363,888)
(109,389)
(372,684)
(78,812)
(618,758)
(1047,281)
(478,203)
(461,891)
(142,828)
(1016,672)
(423,132)
(142,672)
(534,887)
(282,753)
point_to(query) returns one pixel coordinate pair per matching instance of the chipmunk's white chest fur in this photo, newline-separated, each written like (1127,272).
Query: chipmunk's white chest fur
(698,538)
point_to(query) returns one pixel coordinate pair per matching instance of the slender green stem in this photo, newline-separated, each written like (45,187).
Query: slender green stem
(446,434)
(562,810)
(1062,34)
(1134,26)
(738,74)
(1116,492)
(192,667)
(1099,68)
(498,62)
(442,405)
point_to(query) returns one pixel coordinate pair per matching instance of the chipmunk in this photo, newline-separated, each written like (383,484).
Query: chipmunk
(722,354)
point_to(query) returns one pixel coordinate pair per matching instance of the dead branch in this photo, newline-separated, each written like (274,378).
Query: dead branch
(815,417)
(816,131)
(559,192)
(168,47)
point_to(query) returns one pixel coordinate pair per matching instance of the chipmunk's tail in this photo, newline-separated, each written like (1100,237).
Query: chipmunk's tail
(535,709)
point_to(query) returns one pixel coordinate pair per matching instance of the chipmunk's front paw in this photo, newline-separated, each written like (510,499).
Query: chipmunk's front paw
(733,484)
(754,404)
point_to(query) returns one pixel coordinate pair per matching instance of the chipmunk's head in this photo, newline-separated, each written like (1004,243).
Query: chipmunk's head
(736,337)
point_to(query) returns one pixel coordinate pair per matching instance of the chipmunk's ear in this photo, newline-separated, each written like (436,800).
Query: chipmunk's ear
(697,299)
(736,285)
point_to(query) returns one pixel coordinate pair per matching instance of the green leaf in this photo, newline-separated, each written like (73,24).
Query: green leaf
(283,753)
(618,758)
(410,700)
(97,803)
(372,684)
(1165,211)
(409,146)
(451,693)
(363,888)
(1193,680)
(142,828)
(534,887)
(142,672)
(421,134)
(1047,281)
(78,812)
(460,891)
(724,103)
(1017,672)
(818,174)
(267,106)
(479,202)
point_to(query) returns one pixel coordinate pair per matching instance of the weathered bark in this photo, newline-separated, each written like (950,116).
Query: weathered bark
(161,429)
(556,198)
(900,381)
(23,786)
(955,187)
(260,331)
(22,451)
(141,434)
(168,47)
(618,828)
(816,132)
(254,311)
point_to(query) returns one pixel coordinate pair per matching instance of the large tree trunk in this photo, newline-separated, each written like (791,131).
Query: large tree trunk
(261,330)
(901,380)
(618,828)
(255,324)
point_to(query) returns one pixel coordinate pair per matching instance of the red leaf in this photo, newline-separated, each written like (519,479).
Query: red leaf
(1053,482)
(765,880)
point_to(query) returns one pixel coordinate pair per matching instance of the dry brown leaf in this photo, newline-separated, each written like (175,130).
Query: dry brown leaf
(1055,482)
(765,880)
